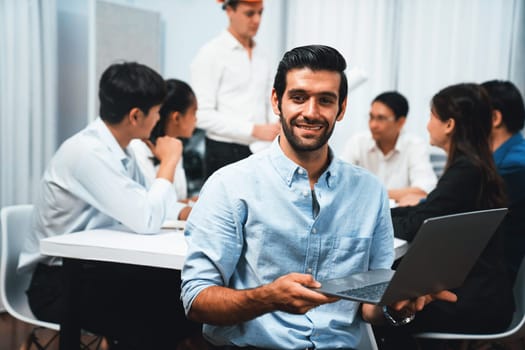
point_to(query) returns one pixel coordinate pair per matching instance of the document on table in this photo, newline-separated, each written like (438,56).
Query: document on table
(174,224)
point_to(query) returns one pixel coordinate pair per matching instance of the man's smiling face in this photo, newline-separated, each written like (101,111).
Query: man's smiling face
(309,108)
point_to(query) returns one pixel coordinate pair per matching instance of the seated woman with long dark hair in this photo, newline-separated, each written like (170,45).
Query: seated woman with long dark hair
(460,124)
(177,119)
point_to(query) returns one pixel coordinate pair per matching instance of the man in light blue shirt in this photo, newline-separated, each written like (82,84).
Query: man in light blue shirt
(93,182)
(267,227)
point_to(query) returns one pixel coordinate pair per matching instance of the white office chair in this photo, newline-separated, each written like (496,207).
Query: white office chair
(516,329)
(368,340)
(15,224)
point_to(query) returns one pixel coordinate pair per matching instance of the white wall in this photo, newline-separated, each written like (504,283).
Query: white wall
(414,46)
(73,67)
(189,24)
(186,26)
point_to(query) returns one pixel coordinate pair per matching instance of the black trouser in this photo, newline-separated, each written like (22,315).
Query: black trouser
(218,154)
(137,306)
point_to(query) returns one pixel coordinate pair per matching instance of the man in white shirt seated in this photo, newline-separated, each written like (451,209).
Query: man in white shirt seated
(94,182)
(401,161)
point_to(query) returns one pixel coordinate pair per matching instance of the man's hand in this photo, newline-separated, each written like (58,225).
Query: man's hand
(407,196)
(414,305)
(292,293)
(266,132)
(169,151)
(374,314)
(225,306)
(166,149)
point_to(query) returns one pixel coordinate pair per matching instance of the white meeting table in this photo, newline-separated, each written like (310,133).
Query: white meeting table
(164,250)
(167,249)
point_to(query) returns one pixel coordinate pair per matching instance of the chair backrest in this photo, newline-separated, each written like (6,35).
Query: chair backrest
(517,326)
(15,226)
(368,341)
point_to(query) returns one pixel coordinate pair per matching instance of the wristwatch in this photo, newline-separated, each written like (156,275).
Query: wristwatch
(397,322)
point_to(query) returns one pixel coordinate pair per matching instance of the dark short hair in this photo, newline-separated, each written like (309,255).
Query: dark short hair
(506,98)
(128,85)
(316,58)
(232,3)
(395,101)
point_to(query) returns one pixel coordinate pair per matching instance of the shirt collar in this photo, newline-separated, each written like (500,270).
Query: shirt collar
(110,141)
(501,151)
(398,147)
(231,42)
(287,169)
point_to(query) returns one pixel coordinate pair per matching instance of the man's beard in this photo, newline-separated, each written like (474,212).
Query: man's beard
(297,142)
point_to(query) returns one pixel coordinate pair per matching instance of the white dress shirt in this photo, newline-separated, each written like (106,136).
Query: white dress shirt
(233,90)
(91,183)
(144,159)
(407,165)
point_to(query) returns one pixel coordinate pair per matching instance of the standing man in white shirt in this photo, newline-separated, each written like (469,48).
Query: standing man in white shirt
(232,80)
(92,182)
(401,161)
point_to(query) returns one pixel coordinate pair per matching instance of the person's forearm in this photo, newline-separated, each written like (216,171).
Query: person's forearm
(224,306)
(372,314)
(397,193)
(184,213)
(167,169)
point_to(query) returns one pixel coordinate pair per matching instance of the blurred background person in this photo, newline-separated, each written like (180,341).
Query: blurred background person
(400,160)
(232,81)
(177,119)
(508,145)
(460,124)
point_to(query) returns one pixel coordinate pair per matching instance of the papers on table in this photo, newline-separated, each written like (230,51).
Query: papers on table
(174,224)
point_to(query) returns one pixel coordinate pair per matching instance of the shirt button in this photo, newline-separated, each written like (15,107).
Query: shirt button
(314,230)
(305,193)
(309,270)
(300,171)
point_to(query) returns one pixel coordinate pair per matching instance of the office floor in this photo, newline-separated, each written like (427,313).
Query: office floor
(14,333)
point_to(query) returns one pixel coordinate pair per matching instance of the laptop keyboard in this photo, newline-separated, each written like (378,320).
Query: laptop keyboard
(372,292)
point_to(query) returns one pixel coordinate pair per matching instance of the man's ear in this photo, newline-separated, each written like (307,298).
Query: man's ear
(275,103)
(342,110)
(229,12)
(133,115)
(401,121)
(497,119)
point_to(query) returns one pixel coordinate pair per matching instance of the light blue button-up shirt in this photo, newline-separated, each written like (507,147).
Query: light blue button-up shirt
(92,183)
(253,223)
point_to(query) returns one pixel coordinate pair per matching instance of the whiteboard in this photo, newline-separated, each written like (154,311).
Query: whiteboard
(126,33)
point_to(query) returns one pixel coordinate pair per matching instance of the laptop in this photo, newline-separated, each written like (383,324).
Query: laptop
(441,255)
